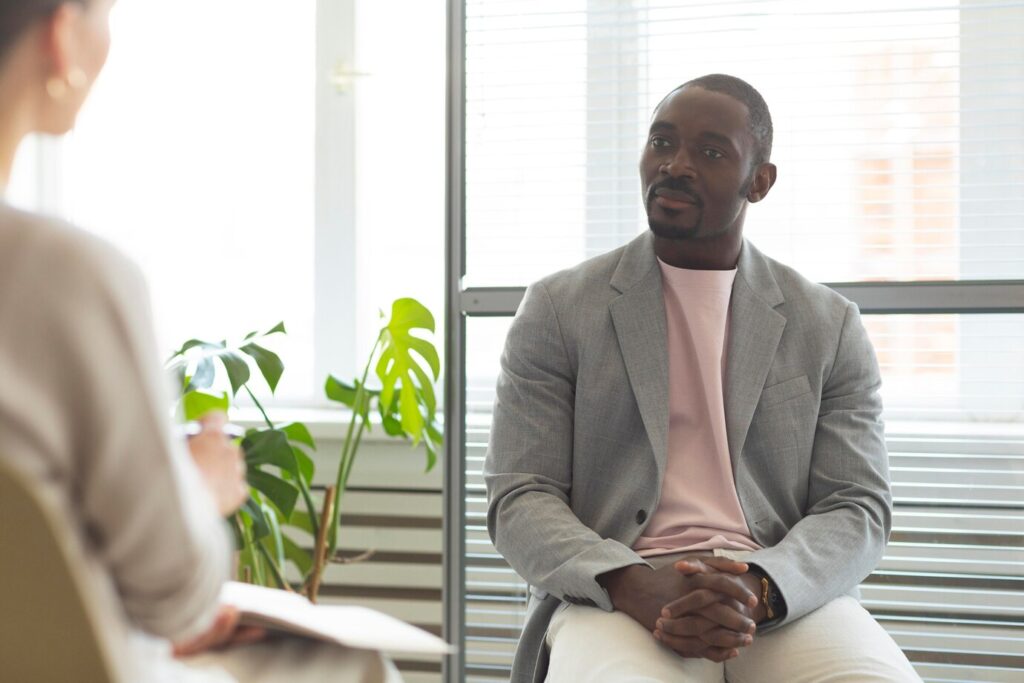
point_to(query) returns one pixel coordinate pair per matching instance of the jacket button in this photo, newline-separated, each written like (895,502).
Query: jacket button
(641,516)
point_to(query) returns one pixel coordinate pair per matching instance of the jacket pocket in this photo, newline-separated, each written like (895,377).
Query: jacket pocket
(784,391)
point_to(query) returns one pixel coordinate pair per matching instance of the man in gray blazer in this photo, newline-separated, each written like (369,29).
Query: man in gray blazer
(582,439)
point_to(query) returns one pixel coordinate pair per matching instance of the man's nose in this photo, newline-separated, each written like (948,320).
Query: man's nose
(679,165)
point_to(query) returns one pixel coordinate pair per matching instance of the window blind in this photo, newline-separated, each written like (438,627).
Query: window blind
(899,130)
(950,588)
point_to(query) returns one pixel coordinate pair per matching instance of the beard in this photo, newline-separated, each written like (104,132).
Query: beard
(671,231)
(674,232)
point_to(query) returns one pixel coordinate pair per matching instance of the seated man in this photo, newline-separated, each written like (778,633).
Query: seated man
(687,463)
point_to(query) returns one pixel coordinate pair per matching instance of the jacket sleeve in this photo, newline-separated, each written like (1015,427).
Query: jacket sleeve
(842,536)
(528,469)
(152,522)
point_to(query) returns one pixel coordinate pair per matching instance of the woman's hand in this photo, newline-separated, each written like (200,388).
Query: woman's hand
(225,631)
(220,463)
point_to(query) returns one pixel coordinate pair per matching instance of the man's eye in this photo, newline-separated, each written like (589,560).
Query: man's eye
(712,153)
(658,141)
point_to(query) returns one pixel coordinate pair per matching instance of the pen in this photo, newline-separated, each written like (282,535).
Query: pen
(193,428)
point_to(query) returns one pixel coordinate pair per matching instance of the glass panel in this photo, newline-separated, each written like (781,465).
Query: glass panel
(399,160)
(899,145)
(199,164)
(495,595)
(949,586)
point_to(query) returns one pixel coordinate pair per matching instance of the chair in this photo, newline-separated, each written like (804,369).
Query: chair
(49,619)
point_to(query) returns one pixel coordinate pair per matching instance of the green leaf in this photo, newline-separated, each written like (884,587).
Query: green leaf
(280,492)
(400,371)
(196,404)
(412,420)
(254,512)
(392,426)
(237,369)
(267,361)
(203,376)
(300,520)
(431,454)
(250,335)
(299,433)
(276,539)
(181,379)
(339,391)
(305,463)
(275,329)
(426,390)
(428,352)
(434,433)
(270,447)
(302,560)
(193,343)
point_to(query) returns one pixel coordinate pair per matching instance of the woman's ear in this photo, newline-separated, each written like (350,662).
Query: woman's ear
(59,42)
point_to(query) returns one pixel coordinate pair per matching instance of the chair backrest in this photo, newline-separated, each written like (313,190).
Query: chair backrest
(49,629)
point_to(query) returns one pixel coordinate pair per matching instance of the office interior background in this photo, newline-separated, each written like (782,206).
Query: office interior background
(312,161)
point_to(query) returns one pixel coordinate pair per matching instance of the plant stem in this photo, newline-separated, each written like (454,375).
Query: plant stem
(303,487)
(320,550)
(274,569)
(348,450)
(257,569)
(259,405)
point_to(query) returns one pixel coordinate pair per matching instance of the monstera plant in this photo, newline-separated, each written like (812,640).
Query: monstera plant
(280,468)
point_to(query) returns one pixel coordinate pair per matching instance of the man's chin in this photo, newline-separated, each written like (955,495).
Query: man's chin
(673,232)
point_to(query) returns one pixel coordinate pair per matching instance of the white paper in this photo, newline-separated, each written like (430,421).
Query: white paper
(356,627)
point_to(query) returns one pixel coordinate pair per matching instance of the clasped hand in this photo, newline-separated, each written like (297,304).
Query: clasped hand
(700,606)
(717,612)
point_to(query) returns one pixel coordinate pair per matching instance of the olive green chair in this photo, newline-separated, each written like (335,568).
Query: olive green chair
(49,621)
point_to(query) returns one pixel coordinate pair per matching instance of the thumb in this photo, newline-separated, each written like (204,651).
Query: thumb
(691,566)
(724,564)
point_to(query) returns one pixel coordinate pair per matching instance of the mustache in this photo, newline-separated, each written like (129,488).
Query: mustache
(674,188)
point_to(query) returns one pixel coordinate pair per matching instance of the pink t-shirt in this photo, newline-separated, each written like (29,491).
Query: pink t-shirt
(699,508)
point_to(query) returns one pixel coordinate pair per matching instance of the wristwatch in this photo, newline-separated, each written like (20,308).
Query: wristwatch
(774,605)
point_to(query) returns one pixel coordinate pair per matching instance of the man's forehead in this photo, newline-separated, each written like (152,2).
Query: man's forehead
(694,103)
(704,112)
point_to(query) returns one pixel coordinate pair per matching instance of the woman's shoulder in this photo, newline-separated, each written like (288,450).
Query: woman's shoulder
(60,256)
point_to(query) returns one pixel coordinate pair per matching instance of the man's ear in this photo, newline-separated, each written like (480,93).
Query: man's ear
(764,178)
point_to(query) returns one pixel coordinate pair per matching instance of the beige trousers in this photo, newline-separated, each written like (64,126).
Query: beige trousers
(838,643)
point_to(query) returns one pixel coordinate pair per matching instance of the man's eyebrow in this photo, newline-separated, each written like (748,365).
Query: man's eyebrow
(661,126)
(719,138)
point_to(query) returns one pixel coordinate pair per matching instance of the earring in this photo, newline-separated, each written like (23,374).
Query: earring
(57,88)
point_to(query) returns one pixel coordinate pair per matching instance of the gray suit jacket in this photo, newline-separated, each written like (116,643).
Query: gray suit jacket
(579,437)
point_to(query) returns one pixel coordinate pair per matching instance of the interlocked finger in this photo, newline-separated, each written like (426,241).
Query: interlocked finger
(693,601)
(726,616)
(724,638)
(689,625)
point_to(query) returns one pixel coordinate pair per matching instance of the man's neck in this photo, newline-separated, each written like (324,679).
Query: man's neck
(719,253)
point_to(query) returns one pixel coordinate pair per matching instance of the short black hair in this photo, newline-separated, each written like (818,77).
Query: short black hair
(760,118)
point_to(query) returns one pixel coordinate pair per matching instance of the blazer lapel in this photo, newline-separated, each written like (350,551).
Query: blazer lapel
(638,315)
(755,328)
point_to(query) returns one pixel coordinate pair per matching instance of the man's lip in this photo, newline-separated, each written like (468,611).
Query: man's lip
(676,196)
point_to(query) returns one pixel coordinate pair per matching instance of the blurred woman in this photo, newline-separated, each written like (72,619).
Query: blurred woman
(84,409)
